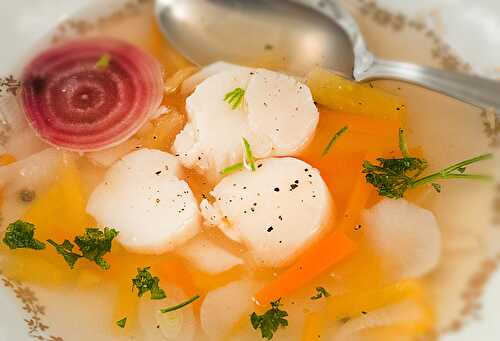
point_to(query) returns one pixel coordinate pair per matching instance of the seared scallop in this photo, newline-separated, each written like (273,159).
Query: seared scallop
(276,211)
(211,140)
(281,109)
(143,198)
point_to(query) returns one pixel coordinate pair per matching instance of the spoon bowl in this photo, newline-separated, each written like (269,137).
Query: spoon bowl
(282,34)
(296,36)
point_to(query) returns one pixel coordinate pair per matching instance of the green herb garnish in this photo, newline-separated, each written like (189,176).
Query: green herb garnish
(393,177)
(233,168)
(235,97)
(121,323)
(20,235)
(180,305)
(96,243)
(333,140)
(320,292)
(103,62)
(248,160)
(66,250)
(93,245)
(145,282)
(270,321)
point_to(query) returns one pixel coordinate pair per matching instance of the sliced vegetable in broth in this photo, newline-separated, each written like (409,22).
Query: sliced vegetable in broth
(234,203)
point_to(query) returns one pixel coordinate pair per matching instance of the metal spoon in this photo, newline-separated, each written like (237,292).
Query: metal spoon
(298,35)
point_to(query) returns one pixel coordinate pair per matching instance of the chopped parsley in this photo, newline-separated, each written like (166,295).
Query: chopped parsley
(20,235)
(235,97)
(393,177)
(103,62)
(270,321)
(180,305)
(233,168)
(248,159)
(320,292)
(334,139)
(93,245)
(66,250)
(145,282)
(121,323)
(96,243)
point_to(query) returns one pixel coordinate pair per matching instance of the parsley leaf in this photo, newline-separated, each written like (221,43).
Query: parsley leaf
(321,292)
(393,177)
(96,243)
(93,245)
(66,250)
(235,97)
(145,282)
(180,305)
(121,323)
(270,321)
(20,235)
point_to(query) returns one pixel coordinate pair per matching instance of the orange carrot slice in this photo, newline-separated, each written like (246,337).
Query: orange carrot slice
(357,202)
(341,172)
(364,134)
(380,127)
(316,260)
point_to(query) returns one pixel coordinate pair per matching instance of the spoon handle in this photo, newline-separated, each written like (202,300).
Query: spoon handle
(481,92)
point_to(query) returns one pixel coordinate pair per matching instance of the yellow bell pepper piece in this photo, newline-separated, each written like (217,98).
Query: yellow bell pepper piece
(340,94)
(355,303)
(60,212)
(30,266)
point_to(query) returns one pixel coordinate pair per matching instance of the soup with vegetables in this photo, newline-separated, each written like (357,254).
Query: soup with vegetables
(226,202)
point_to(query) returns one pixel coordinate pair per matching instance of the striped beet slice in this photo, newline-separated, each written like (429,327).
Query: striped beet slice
(75,103)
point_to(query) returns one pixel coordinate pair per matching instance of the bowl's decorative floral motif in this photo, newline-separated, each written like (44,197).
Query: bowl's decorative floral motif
(35,311)
(441,51)
(9,85)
